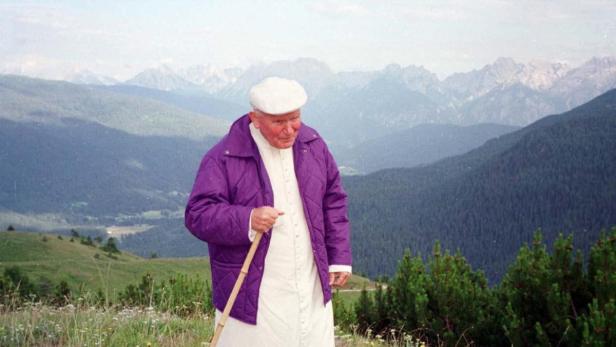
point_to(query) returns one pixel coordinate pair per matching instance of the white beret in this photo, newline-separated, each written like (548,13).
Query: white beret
(276,96)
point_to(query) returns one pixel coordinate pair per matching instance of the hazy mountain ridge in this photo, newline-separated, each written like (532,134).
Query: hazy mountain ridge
(163,78)
(33,100)
(313,74)
(210,78)
(504,72)
(419,145)
(193,101)
(89,77)
(514,104)
(590,79)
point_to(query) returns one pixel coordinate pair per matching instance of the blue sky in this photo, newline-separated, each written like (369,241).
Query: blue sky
(55,38)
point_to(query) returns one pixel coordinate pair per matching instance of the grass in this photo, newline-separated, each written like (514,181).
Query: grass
(82,325)
(345,339)
(39,325)
(87,268)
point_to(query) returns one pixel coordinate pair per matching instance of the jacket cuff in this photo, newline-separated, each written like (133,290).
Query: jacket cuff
(251,233)
(340,268)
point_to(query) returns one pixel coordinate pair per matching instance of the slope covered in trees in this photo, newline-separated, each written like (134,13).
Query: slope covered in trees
(83,167)
(557,174)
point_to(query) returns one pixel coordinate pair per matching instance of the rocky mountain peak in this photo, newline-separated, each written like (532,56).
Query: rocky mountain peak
(162,78)
(89,77)
(210,77)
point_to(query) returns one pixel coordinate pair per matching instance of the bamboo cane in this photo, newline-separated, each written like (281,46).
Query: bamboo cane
(236,289)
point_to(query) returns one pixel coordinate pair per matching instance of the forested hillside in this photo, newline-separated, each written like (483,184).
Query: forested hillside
(558,174)
(80,167)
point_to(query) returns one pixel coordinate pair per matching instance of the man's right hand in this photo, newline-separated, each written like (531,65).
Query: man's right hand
(263,218)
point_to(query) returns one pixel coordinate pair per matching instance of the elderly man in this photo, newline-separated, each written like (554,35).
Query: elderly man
(273,175)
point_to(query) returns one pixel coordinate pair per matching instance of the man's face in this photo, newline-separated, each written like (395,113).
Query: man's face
(280,130)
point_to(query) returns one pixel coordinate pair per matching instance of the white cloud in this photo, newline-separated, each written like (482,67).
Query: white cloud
(338,8)
(35,66)
(435,13)
(444,35)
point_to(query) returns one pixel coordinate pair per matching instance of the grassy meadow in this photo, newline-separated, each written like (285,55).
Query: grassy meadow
(83,319)
(89,268)
(84,325)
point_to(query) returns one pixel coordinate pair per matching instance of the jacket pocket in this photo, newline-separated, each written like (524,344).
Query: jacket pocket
(224,276)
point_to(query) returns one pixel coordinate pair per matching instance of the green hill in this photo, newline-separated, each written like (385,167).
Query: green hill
(45,256)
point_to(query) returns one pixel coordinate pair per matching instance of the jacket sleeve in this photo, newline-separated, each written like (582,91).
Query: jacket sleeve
(209,215)
(337,227)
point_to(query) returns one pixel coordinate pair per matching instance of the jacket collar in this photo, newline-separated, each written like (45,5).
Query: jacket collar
(240,143)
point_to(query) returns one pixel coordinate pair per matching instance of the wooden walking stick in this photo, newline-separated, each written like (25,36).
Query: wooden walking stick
(236,289)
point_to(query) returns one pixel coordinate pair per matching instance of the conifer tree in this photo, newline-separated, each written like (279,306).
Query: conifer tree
(343,317)
(110,246)
(62,293)
(461,305)
(602,269)
(19,282)
(410,300)
(364,311)
(598,327)
(545,294)
(524,289)
(382,315)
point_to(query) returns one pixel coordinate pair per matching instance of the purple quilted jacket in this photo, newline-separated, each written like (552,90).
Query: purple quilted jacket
(232,180)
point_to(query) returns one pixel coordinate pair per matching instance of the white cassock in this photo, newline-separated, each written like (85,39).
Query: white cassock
(291,311)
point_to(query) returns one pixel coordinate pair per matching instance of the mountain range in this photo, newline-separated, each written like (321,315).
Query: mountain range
(385,101)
